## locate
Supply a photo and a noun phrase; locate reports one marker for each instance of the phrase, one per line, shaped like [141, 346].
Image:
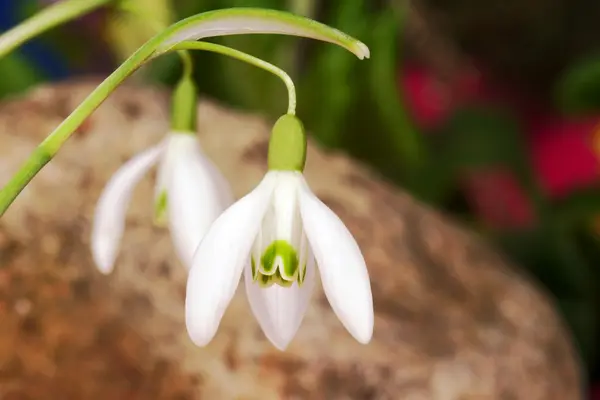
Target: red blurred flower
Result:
[563, 153]
[497, 198]
[563, 159]
[430, 100]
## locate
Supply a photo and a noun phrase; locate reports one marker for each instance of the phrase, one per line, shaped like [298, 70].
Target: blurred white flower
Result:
[190, 195]
[278, 235]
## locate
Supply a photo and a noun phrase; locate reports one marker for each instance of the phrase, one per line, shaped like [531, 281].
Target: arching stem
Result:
[257, 62]
[230, 21]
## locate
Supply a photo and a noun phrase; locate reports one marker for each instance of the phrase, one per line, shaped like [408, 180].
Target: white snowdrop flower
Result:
[190, 195]
[279, 236]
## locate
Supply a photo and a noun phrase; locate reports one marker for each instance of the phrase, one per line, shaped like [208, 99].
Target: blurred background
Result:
[488, 111]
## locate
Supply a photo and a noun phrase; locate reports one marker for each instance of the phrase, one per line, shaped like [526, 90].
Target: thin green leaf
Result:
[405, 139]
[328, 85]
[238, 21]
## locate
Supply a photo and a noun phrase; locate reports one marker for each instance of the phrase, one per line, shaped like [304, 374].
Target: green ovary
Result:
[279, 264]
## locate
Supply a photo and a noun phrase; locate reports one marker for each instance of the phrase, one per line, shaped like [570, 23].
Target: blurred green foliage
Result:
[22, 75]
[578, 90]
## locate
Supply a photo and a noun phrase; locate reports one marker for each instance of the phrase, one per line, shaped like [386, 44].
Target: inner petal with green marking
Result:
[280, 251]
[279, 264]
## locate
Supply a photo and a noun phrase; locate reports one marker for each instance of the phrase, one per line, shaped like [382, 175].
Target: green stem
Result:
[196, 27]
[46, 19]
[50, 146]
[187, 62]
[53, 142]
[185, 96]
[257, 62]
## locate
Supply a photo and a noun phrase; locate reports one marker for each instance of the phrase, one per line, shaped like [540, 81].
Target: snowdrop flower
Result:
[279, 236]
[190, 195]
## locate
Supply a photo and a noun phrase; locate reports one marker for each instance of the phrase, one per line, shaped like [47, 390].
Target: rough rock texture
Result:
[453, 322]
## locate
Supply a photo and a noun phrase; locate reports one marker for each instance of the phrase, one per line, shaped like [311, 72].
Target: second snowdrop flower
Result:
[190, 195]
[278, 236]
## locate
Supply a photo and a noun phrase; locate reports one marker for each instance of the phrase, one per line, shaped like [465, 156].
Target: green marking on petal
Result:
[279, 265]
[267, 261]
[264, 281]
[288, 260]
[160, 209]
[280, 280]
[254, 270]
[302, 275]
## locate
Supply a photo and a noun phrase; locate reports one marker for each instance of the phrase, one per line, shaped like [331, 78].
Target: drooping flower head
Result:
[190, 194]
[279, 236]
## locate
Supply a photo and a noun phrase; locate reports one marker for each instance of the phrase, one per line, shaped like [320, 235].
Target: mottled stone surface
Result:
[453, 321]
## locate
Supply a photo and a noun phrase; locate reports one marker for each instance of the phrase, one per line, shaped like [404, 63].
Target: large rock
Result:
[453, 321]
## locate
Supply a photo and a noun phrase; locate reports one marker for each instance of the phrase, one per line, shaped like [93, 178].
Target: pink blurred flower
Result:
[497, 198]
[563, 159]
[561, 150]
[430, 100]
[563, 153]
[427, 99]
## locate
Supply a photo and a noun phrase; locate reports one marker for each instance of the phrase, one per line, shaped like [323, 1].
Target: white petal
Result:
[235, 21]
[219, 262]
[221, 184]
[287, 223]
[109, 218]
[341, 264]
[195, 195]
[280, 310]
